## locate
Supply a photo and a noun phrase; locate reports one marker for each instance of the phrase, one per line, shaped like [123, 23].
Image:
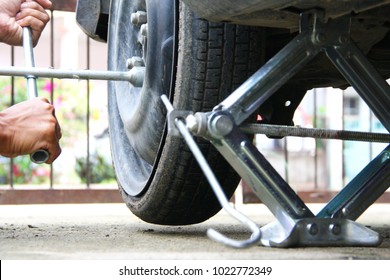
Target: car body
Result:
[280, 18]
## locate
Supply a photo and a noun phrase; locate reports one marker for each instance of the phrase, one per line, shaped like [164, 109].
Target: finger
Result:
[32, 6]
[34, 16]
[46, 4]
[36, 27]
[54, 148]
[26, 14]
[58, 127]
[58, 132]
[44, 99]
[50, 142]
[54, 153]
[24, 17]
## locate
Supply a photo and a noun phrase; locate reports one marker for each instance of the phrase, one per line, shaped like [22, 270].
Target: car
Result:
[198, 52]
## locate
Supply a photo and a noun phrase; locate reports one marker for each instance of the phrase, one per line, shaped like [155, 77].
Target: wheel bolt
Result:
[138, 18]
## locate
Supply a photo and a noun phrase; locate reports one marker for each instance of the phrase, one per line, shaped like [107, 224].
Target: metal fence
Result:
[316, 169]
[62, 45]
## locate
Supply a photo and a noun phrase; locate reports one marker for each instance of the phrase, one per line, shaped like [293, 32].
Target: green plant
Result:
[100, 169]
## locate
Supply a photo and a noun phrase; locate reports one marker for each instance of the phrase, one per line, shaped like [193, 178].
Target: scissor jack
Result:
[296, 225]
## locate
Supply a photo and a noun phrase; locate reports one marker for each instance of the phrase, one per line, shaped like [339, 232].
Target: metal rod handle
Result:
[75, 74]
[32, 90]
[40, 156]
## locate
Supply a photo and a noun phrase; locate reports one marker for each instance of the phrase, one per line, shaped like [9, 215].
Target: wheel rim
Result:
[143, 29]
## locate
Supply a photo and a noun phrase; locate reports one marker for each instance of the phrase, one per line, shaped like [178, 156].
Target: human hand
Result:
[30, 126]
[16, 14]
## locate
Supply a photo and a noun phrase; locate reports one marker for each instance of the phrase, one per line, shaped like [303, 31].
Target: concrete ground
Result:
[110, 231]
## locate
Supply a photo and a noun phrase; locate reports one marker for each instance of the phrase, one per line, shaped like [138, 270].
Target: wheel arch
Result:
[92, 17]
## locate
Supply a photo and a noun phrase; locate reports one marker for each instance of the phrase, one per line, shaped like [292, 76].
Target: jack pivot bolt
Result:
[335, 229]
[222, 125]
[313, 229]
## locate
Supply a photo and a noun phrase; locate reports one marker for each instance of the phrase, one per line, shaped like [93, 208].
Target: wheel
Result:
[196, 64]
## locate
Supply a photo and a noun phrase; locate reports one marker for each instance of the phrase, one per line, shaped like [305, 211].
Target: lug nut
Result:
[135, 61]
[144, 30]
[137, 76]
[139, 18]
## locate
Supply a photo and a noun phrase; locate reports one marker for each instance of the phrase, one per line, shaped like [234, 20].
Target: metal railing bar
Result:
[286, 160]
[12, 103]
[343, 171]
[51, 83]
[315, 124]
[88, 115]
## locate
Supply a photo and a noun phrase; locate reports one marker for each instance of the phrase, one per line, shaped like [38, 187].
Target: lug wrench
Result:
[40, 156]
